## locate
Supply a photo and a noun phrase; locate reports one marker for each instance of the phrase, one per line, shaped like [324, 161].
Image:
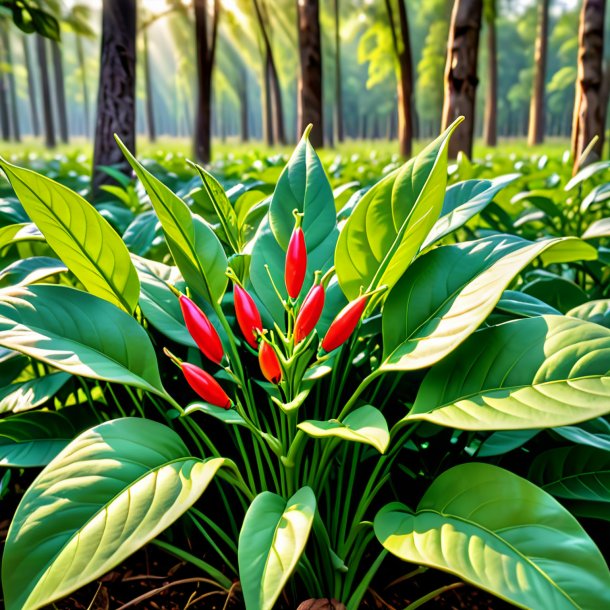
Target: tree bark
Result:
[490, 129]
[45, 90]
[12, 90]
[536, 121]
[267, 107]
[116, 101]
[60, 92]
[339, 129]
[310, 106]
[461, 73]
[205, 43]
[589, 108]
[244, 106]
[150, 114]
[5, 129]
[31, 87]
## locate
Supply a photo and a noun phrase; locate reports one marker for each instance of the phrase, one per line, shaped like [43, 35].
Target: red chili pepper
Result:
[205, 385]
[344, 324]
[248, 317]
[269, 363]
[296, 263]
[310, 312]
[201, 330]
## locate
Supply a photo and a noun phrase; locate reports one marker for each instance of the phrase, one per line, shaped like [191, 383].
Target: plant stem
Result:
[426, 598]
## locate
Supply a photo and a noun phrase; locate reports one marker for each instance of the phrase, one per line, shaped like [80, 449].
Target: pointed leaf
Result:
[80, 236]
[503, 534]
[109, 492]
[26, 395]
[593, 311]
[271, 541]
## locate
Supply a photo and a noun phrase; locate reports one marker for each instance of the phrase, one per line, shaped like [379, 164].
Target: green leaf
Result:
[593, 432]
[559, 292]
[364, 425]
[80, 236]
[26, 395]
[271, 541]
[529, 373]
[503, 534]
[389, 224]
[227, 416]
[586, 173]
[504, 441]
[192, 242]
[462, 202]
[109, 492]
[573, 473]
[78, 333]
[449, 291]
[30, 270]
[33, 439]
[524, 305]
[593, 311]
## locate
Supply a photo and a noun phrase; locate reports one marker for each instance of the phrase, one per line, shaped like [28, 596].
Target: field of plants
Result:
[359, 381]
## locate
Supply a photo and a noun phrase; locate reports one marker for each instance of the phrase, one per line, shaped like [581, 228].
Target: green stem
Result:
[433, 594]
[354, 397]
[356, 598]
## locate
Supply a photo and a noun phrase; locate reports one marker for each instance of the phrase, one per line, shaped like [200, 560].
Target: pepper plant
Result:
[342, 381]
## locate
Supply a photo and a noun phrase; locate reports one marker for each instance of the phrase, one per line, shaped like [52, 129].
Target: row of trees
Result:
[341, 45]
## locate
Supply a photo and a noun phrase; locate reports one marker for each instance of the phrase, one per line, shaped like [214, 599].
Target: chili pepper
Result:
[269, 363]
[310, 312]
[205, 385]
[248, 316]
[344, 324]
[201, 330]
[296, 262]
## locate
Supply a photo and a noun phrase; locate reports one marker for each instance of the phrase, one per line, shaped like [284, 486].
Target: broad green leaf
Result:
[530, 373]
[449, 291]
[83, 239]
[573, 473]
[364, 425]
[109, 492]
[502, 442]
[302, 186]
[192, 242]
[557, 291]
[78, 333]
[586, 173]
[25, 395]
[389, 224]
[30, 270]
[8, 233]
[272, 539]
[462, 202]
[33, 439]
[503, 534]
[593, 311]
[227, 416]
[597, 229]
[142, 233]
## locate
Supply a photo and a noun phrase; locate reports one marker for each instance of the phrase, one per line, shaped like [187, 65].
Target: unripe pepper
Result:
[296, 262]
[248, 316]
[205, 385]
[269, 363]
[201, 329]
[310, 313]
[344, 324]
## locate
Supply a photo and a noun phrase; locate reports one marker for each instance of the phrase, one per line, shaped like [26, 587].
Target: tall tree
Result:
[461, 73]
[310, 106]
[401, 42]
[149, 108]
[60, 92]
[8, 86]
[536, 122]
[116, 100]
[590, 103]
[490, 126]
[45, 92]
[338, 84]
[27, 57]
[205, 44]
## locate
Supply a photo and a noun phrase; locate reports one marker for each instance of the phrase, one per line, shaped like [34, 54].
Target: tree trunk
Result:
[276, 104]
[267, 106]
[339, 130]
[150, 114]
[60, 92]
[5, 129]
[81, 64]
[461, 73]
[536, 121]
[490, 129]
[31, 87]
[310, 107]
[45, 88]
[10, 80]
[116, 101]
[205, 43]
[589, 110]
[244, 106]
[405, 89]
